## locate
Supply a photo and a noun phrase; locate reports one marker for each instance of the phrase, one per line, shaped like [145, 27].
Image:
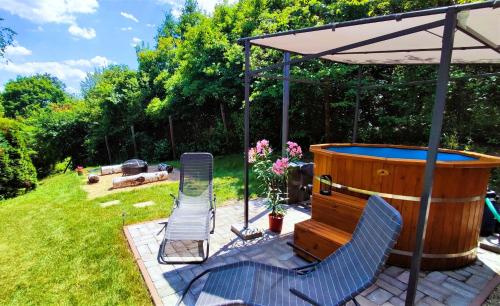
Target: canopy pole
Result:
[247, 128]
[356, 110]
[243, 230]
[434, 139]
[286, 102]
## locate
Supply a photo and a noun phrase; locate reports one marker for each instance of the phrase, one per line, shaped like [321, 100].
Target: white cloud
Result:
[16, 50]
[49, 11]
[54, 11]
[87, 33]
[126, 29]
[135, 41]
[207, 6]
[129, 16]
[176, 12]
[150, 25]
[96, 61]
[71, 72]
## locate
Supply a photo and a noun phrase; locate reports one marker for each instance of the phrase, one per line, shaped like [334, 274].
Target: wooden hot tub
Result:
[396, 173]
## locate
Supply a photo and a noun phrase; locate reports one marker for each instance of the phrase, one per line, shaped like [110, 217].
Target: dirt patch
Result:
[104, 187]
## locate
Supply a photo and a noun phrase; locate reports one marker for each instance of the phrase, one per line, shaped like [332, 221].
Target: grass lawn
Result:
[57, 247]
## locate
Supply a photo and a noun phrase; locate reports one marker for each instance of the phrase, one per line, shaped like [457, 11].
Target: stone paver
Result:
[109, 203]
[477, 281]
[379, 296]
[458, 287]
[436, 277]
[144, 204]
[396, 301]
[393, 271]
[428, 301]
[457, 300]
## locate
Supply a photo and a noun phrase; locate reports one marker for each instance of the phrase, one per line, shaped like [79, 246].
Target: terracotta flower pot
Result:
[275, 223]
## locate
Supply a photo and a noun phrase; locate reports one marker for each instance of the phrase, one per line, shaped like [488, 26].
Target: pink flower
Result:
[263, 147]
[252, 155]
[294, 150]
[280, 166]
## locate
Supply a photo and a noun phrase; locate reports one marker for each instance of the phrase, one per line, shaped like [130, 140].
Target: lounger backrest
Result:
[354, 267]
[196, 176]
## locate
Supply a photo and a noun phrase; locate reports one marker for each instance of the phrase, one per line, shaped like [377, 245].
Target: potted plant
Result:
[79, 170]
[273, 177]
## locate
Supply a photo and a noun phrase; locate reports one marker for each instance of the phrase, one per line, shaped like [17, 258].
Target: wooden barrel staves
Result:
[456, 207]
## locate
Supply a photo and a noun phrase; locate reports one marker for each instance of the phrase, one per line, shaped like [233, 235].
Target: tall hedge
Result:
[17, 172]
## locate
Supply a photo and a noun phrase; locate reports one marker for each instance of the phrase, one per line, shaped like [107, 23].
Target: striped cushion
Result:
[191, 219]
[336, 280]
[249, 282]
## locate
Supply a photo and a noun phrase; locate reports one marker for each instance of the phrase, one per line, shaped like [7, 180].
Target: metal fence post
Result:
[171, 126]
[133, 140]
[434, 139]
[107, 148]
[223, 115]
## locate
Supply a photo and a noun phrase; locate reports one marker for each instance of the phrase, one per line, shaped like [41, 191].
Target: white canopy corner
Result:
[476, 40]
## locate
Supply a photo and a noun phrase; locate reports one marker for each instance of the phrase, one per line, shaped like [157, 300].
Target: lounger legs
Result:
[213, 223]
[163, 258]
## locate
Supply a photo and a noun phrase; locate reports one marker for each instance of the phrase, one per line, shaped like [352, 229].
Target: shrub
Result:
[58, 131]
[16, 169]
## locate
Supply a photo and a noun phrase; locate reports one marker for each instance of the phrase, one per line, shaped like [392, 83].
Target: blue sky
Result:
[69, 38]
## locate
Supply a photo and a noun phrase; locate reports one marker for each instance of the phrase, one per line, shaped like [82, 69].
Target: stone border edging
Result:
[486, 291]
[144, 272]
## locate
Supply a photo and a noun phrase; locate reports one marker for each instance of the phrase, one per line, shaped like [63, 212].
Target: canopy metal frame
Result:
[449, 22]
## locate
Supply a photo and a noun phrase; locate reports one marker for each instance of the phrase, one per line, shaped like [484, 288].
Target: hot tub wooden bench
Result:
[332, 223]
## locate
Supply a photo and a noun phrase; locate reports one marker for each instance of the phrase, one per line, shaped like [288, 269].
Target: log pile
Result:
[105, 170]
[139, 179]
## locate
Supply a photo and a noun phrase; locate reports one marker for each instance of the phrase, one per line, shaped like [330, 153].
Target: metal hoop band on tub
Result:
[435, 256]
[398, 196]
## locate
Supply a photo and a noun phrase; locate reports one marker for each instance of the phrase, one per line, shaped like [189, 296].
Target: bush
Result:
[58, 131]
[16, 169]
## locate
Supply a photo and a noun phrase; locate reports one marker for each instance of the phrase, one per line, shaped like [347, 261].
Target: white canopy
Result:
[477, 38]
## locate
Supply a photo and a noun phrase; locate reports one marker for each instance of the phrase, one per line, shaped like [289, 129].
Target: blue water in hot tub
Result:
[399, 153]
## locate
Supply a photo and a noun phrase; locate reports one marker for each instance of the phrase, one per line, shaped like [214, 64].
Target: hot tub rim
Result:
[483, 160]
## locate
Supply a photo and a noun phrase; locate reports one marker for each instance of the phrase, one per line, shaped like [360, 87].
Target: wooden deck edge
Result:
[144, 272]
[486, 291]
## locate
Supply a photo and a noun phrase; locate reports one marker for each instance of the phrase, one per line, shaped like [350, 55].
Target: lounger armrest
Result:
[306, 268]
[176, 202]
[304, 297]
[296, 247]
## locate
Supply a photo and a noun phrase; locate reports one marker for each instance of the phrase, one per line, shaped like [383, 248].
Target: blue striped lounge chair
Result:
[334, 281]
[193, 214]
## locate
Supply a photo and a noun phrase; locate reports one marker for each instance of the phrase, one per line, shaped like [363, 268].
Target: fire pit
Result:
[134, 166]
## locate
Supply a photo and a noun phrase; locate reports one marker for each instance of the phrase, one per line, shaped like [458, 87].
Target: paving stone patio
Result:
[164, 281]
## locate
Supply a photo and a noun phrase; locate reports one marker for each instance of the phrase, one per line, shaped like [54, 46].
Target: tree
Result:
[16, 169]
[6, 38]
[57, 132]
[114, 105]
[1, 107]
[25, 93]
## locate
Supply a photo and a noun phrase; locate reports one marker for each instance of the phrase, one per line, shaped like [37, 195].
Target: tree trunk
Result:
[139, 179]
[105, 170]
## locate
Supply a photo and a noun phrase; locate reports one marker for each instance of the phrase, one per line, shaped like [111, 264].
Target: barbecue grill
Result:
[134, 166]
